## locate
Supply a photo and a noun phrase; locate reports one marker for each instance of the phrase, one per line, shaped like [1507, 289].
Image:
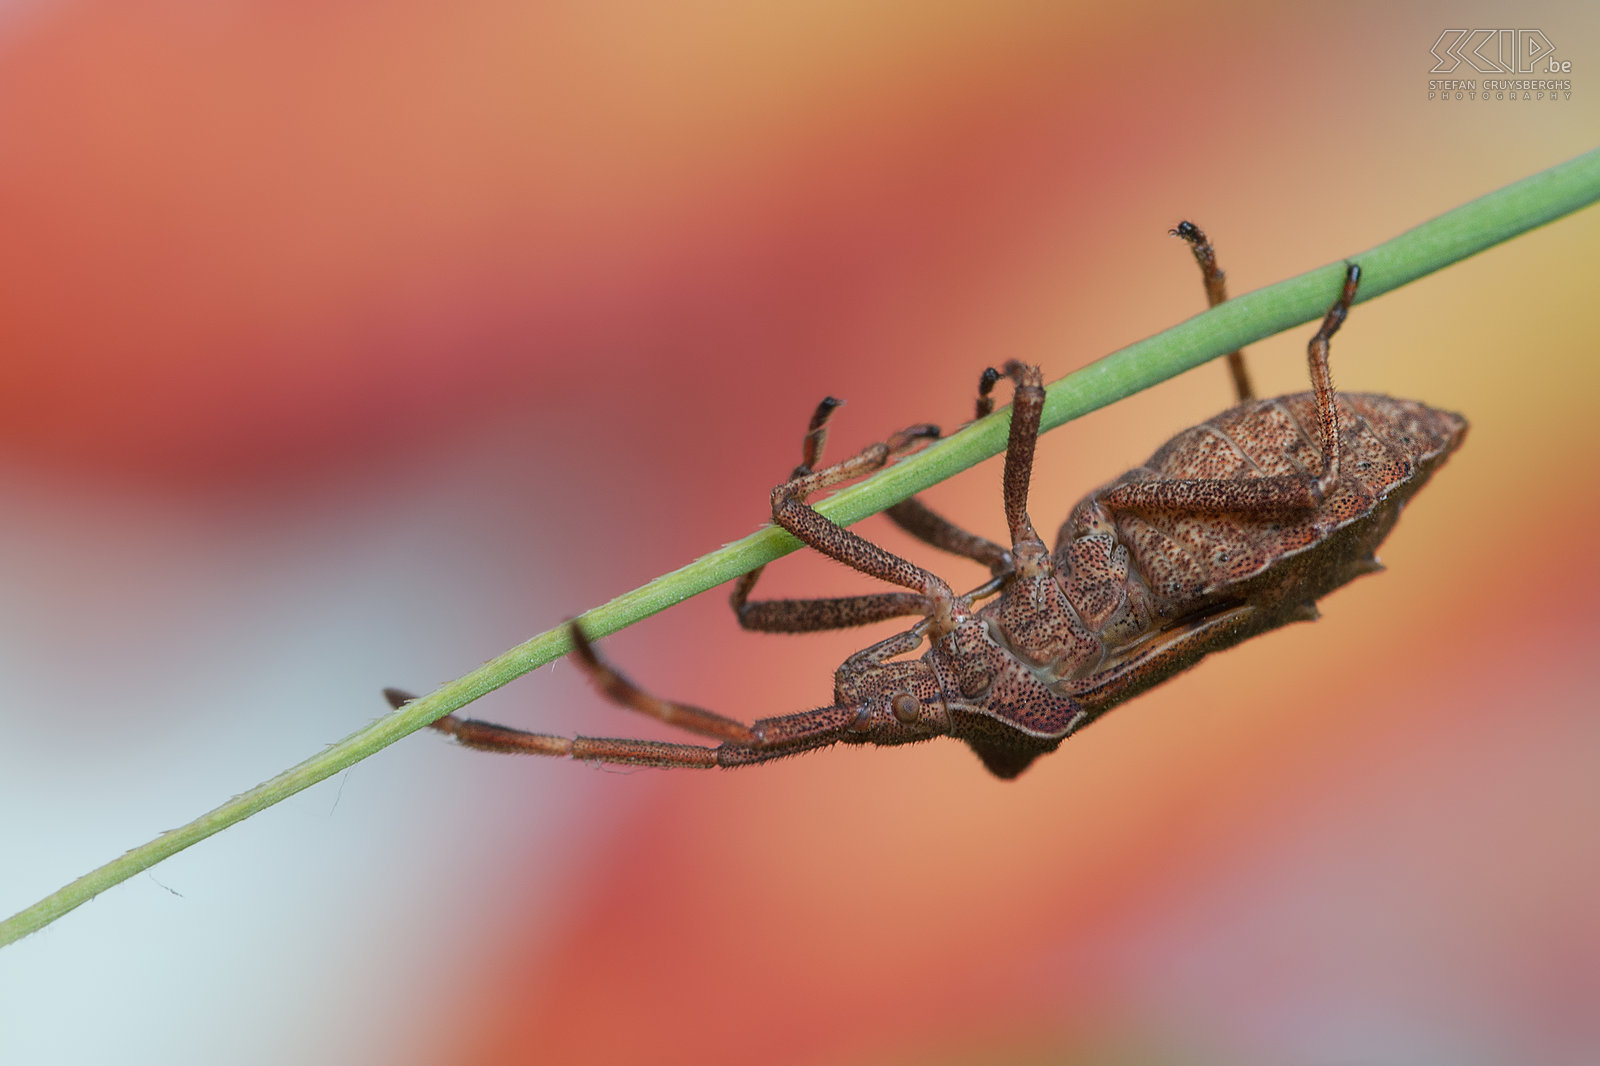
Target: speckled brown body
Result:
[1135, 598]
[1232, 528]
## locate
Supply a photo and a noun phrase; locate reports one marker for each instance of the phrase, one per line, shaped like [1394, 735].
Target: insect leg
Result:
[810, 525]
[869, 661]
[930, 527]
[790, 511]
[769, 738]
[796, 733]
[1322, 377]
[913, 516]
[1216, 292]
[620, 690]
[1028, 553]
[811, 615]
[1240, 496]
[487, 736]
[886, 649]
[1265, 495]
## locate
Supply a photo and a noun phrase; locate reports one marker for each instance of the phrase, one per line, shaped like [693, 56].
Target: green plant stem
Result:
[1431, 246]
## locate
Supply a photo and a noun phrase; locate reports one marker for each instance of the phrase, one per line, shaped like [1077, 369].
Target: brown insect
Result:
[1234, 527]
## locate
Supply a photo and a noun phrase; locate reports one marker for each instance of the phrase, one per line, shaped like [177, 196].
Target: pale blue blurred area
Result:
[159, 654]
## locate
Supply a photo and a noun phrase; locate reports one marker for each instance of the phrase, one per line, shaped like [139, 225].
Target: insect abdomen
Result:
[1184, 562]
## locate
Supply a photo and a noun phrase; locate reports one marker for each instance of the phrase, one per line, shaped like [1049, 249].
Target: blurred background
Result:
[347, 345]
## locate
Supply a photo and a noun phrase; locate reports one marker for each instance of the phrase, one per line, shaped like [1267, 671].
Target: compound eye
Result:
[906, 707]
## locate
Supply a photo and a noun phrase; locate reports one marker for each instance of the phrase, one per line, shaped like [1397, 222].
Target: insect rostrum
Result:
[1232, 528]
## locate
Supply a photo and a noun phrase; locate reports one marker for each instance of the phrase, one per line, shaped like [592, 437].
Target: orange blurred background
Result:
[350, 344]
